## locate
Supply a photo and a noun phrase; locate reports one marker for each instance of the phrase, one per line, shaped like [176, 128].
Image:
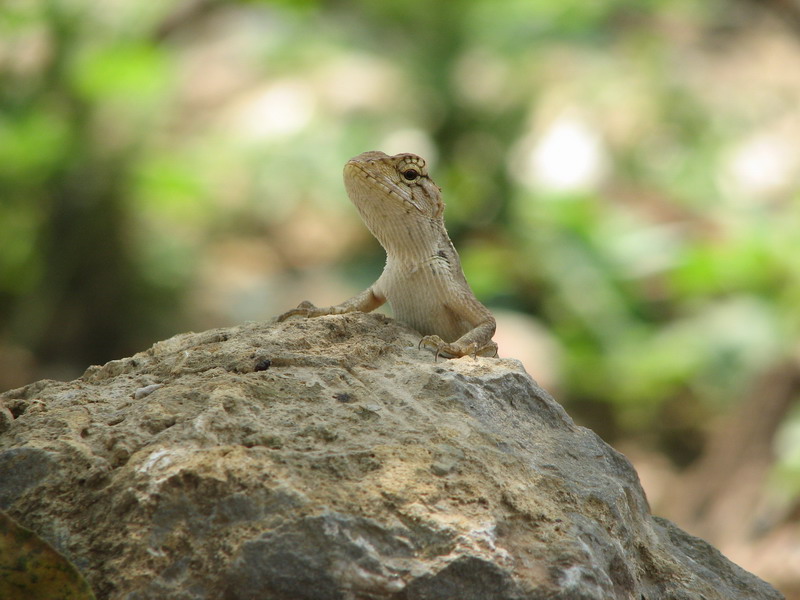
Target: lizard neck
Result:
[400, 204]
[410, 241]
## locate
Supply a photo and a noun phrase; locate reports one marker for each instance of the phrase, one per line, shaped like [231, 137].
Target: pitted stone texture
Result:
[330, 458]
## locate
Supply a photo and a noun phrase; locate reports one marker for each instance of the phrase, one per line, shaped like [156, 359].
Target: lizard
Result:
[423, 280]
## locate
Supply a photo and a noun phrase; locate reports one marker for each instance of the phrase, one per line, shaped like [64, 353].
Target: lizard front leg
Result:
[366, 301]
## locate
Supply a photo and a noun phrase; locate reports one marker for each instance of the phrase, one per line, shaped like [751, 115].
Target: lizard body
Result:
[422, 280]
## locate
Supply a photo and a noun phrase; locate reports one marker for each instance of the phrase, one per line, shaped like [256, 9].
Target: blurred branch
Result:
[185, 15]
[788, 11]
[721, 491]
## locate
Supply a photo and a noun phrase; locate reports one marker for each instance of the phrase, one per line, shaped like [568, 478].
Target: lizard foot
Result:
[304, 309]
[456, 350]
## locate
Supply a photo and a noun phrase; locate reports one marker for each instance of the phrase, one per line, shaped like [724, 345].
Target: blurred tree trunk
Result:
[91, 303]
[89, 285]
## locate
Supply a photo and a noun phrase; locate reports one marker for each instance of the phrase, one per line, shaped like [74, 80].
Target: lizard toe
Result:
[456, 350]
[432, 342]
[442, 348]
[489, 350]
[304, 309]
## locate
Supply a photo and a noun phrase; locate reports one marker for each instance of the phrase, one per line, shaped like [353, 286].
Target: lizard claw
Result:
[442, 348]
[304, 309]
[489, 350]
[455, 350]
[434, 342]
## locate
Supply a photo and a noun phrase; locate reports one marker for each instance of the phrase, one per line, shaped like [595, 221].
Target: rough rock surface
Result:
[331, 459]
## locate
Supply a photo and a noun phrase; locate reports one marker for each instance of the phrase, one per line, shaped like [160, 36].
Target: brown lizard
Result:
[422, 280]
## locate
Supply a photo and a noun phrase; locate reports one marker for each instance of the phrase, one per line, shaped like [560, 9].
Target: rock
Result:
[331, 459]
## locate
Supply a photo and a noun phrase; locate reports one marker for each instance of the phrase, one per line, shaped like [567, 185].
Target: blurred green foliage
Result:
[136, 140]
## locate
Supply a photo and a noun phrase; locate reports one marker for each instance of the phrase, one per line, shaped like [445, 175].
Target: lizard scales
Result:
[422, 280]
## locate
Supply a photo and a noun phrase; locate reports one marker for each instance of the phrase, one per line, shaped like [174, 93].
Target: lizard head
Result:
[379, 183]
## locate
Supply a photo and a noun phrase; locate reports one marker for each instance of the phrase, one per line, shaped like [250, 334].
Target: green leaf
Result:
[32, 568]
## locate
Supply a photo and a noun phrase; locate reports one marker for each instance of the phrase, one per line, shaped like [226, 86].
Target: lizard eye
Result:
[410, 174]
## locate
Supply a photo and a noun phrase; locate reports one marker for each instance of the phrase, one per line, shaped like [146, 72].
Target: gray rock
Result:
[20, 469]
[331, 459]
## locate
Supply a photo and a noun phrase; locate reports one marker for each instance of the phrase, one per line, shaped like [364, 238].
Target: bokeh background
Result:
[621, 180]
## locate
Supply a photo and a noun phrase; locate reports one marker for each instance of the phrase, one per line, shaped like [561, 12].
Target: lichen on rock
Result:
[330, 458]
